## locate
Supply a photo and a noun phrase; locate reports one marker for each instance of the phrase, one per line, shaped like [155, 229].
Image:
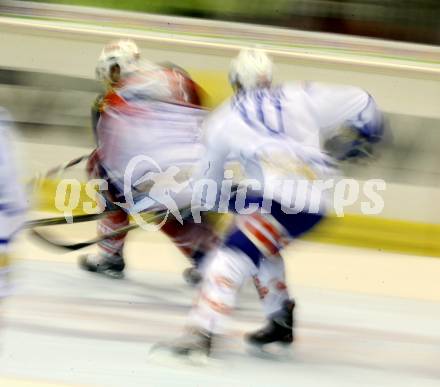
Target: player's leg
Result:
[271, 232]
[194, 240]
[109, 260]
[4, 270]
[4, 273]
[226, 271]
[9, 225]
[278, 307]
[254, 237]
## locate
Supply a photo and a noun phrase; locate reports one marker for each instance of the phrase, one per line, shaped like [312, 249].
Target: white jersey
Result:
[169, 134]
[12, 199]
[276, 134]
[144, 135]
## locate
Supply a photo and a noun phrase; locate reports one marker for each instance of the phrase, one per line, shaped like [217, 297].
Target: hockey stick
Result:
[58, 169]
[81, 245]
[59, 220]
[89, 217]
[100, 238]
[66, 165]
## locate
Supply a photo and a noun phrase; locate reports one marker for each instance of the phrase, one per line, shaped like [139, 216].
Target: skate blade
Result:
[113, 274]
[165, 354]
[275, 351]
[106, 274]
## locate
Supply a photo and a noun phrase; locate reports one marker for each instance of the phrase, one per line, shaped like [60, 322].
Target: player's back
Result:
[278, 111]
[302, 111]
[275, 134]
[253, 129]
[150, 117]
[167, 133]
[279, 118]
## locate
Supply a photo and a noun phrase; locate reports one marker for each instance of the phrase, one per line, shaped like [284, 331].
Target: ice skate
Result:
[194, 348]
[192, 276]
[109, 265]
[279, 328]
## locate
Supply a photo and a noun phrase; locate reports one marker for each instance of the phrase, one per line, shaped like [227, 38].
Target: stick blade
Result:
[60, 245]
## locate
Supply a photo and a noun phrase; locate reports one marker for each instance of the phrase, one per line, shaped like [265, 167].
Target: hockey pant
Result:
[194, 240]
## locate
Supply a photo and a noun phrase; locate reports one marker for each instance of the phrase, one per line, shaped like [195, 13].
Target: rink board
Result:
[351, 230]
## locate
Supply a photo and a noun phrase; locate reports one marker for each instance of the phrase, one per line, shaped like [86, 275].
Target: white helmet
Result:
[251, 68]
[124, 53]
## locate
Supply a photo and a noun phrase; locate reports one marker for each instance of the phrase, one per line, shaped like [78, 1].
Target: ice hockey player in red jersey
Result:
[160, 90]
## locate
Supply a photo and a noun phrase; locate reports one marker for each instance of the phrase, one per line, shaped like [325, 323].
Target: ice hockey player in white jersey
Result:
[12, 199]
[275, 133]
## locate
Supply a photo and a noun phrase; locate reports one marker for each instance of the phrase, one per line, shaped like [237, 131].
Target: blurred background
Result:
[409, 20]
[49, 53]
[378, 273]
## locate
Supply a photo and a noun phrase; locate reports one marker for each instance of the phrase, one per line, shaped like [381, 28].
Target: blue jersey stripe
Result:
[10, 210]
[258, 99]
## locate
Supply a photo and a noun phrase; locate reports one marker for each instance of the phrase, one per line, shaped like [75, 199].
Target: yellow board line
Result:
[351, 230]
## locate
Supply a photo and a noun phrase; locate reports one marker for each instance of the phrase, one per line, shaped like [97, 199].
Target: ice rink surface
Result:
[68, 327]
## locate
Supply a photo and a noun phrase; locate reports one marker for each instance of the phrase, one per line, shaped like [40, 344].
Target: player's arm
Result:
[210, 169]
[349, 119]
[96, 113]
[214, 159]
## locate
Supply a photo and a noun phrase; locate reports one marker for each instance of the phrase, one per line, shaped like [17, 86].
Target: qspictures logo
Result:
[146, 188]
